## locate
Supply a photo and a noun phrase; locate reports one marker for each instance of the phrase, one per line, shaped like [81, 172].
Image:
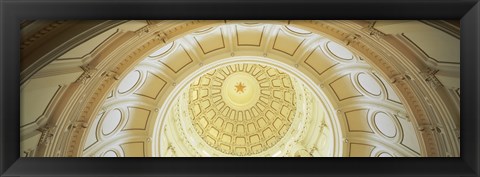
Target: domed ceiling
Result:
[203, 88]
[244, 106]
[242, 109]
[252, 89]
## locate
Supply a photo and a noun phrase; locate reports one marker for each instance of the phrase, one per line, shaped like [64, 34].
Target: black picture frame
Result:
[14, 11]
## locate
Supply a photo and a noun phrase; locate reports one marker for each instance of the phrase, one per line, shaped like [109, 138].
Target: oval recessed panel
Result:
[298, 30]
[385, 124]
[339, 51]
[110, 154]
[129, 82]
[369, 84]
[112, 119]
[162, 50]
[384, 154]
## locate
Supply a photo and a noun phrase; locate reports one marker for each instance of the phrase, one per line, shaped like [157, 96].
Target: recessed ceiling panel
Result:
[211, 41]
[137, 118]
[133, 149]
[319, 62]
[344, 88]
[110, 154]
[361, 150]
[249, 35]
[129, 81]
[369, 84]
[111, 121]
[385, 124]
[339, 51]
[357, 121]
[287, 44]
[152, 86]
[177, 60]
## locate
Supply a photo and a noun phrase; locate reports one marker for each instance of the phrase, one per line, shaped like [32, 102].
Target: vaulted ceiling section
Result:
[240, 88]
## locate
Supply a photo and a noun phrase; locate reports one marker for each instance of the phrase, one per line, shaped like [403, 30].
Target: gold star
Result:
[240, 87]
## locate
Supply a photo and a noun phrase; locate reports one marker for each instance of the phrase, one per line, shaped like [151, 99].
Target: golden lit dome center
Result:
[240, 90]
[242, 109]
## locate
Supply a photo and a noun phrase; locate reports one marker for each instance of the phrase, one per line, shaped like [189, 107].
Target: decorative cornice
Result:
[430, 78]
[351, 38]
[47, 134]
[32, 64]
[111, 75]
[73, 148]
[88, 72]
[40, 33]
[372, 31]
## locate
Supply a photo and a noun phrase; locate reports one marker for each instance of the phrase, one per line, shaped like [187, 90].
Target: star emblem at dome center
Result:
[240, 87]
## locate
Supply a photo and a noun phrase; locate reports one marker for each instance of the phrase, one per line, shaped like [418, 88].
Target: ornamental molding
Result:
[359, 39]
[26, 42]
